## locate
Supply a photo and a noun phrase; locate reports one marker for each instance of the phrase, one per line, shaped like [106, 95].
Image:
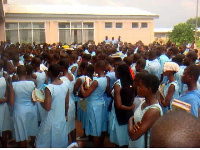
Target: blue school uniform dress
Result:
[138, 115]
[178, 78]
[193, 98]
[153, 67]
[70, 67]
[111, 76]
[53, 129]
[24, 113]
[81, 114]
[162, 59]
[5, 119]
[118, 133]
[41, 77]
[175, 95]
[95, 104]
[71, 110]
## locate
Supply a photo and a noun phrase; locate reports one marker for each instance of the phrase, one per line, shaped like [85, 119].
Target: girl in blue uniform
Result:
[171, 88]
[5, 119]
[122, 106]
[70, 79]
[24, 113]
[95, 104]
[53, 128]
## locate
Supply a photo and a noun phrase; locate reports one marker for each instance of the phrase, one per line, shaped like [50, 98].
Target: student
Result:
[192, 96]
[81, 114]
[171, 88]
[95, 104]
[122, 106]
[73, 68]
[146, 114]
[5, 119]
[179, 60]
[40, 77]
[70, 79]
[140, 65]
[24, 114]
[53, 128]
[177, 129]
[153, 65]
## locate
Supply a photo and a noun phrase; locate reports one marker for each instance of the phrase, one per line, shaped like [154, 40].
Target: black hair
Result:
[29, 69]
[36, 61]
[83, 65]
[152, 54]
[110, 60]
[151, 81]
[56, 56]
[101, 65]
[194, 71]
[1, 64]
[141, 62]
[21, 70]
[54, 69]
[136, 56]
[177, 129]
[128, 60]
[90, 70]
[178, 59]
[87, 57]
[64, 63]
[192, 55]
[16, 58]
[124, 74]
[174, 50]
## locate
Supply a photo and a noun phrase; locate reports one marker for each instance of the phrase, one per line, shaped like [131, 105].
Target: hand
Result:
[132, 106]
[137, 126]
[66, 118]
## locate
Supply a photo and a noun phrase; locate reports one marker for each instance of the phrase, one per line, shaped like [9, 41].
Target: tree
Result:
[193, 21]
[182, 32]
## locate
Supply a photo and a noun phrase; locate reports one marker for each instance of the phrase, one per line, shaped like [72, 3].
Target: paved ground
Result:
[79, 132]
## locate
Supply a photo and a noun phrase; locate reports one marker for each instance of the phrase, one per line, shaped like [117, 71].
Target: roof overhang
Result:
[70, 11]
[75, 16]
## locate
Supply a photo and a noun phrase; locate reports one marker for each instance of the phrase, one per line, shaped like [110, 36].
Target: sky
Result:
[171, 12]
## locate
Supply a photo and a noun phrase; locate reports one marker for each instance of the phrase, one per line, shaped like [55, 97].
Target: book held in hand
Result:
[38, 95]
[179, 105]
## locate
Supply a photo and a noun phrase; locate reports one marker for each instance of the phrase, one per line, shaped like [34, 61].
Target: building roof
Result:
[72, 9]
[163, 30]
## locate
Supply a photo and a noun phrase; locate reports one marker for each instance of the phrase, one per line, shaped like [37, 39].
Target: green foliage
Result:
[193, 21]
[182, 32]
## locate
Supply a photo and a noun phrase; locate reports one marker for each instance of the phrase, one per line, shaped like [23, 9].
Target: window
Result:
[25, 32]
[118, 25]
[134, 25]
[79, 32]
[108, 24]
[144, 25]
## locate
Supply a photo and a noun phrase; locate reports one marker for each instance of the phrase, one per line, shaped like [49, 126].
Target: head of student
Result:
[177, 129]
[191, 74]
[122, 72]
[149, 84]
[21, 70]
[54, 70]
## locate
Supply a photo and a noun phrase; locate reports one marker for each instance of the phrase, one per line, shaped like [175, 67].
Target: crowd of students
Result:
[115, 88]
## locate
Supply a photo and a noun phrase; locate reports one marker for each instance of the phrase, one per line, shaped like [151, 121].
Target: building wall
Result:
[127, 33]
[2, 31]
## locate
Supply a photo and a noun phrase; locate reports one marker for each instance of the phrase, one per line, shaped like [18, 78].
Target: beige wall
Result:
[127, 33]
[51, 32]
[2, 31]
